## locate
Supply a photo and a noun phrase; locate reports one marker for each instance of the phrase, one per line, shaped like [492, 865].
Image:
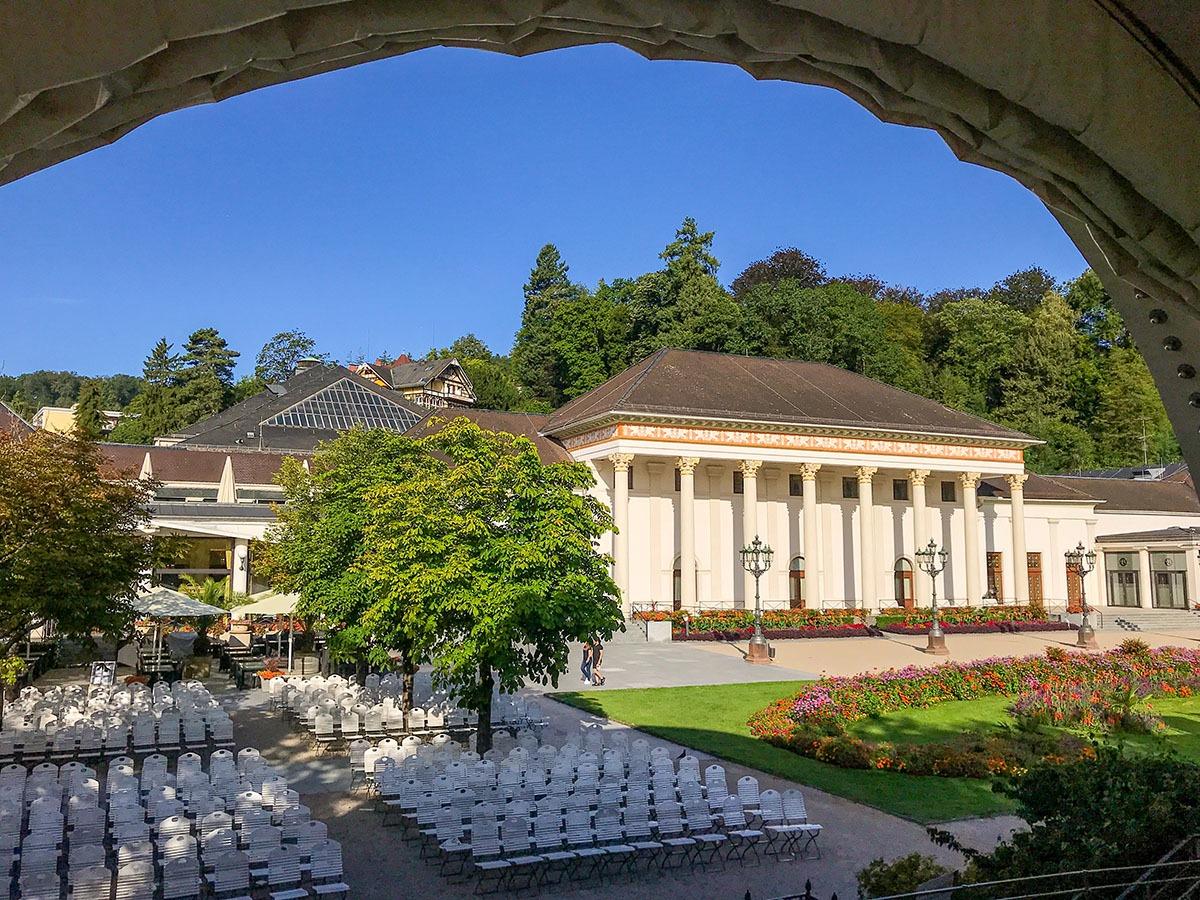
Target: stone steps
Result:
[1155, 620]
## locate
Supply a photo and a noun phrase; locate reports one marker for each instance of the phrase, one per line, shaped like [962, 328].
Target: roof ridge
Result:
[651, 361]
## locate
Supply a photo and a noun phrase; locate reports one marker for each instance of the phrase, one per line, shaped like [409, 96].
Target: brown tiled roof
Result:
[523, 424]
[692, 383]
[180, 464]
[11, 422]
[1126, 494]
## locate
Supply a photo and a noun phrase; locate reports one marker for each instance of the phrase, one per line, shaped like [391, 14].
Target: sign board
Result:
[104, 672]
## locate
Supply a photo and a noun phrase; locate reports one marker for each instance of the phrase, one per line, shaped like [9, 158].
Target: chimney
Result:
[308, 362]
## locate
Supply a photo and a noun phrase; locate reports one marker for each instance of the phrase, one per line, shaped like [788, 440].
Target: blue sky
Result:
[397, 205]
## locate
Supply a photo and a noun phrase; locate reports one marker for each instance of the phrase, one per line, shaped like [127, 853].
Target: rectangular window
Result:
[739, 484]
[678, 481]
[795, 486]
[629, 478]
[899, 488]
[850, 488]
[995, 575]
[949, 494]
[1033, 564]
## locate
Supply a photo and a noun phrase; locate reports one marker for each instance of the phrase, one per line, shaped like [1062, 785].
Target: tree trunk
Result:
[483, 738]
[408, 670]
[360, 669]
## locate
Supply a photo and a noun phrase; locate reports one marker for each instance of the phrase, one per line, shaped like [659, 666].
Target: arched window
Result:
[677, 585]
[796, 583]
[903, 580]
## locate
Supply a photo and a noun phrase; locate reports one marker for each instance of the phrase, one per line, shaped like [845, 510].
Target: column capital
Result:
[620, 461]
[918, 476]
[1016, 482]
[970, 480]
[808, 471]
[866, 473]
[687, 464]
[749, 467]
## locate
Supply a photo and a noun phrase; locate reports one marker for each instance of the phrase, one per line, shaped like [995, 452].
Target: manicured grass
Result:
[938, 723]
[712, 719]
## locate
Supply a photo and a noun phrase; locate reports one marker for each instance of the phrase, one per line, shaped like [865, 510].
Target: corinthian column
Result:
[1016, 487]
[970, 482]
[687, 529]
[812, 552]
[749, 470]
[866, 536]
[620, 509]
[916, 479]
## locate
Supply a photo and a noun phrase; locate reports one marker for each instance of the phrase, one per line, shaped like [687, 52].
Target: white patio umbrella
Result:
[270, 603]
[165, 603]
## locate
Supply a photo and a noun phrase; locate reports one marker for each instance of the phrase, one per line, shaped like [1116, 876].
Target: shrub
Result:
[1091, 813]
[881, 879]
[1134, 647]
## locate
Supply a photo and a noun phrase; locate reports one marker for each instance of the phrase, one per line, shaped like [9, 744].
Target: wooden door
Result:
[995, 576]
[1074, 589]
[1034, 566]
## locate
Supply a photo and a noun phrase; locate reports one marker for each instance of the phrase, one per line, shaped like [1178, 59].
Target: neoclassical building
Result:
[697, 453]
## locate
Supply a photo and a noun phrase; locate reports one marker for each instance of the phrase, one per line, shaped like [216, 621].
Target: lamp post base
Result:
[1086, 639]
[759, 652]
[937, 645]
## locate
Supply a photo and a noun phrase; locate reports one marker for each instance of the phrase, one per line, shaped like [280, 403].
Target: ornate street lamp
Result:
[932, 561]
[756, 559]
[1083, 561]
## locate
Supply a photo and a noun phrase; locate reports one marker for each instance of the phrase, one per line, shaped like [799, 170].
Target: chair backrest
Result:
[40, 886]
[231, 872]
[748, 790]
[793, 807]
[283, 866]
[326, 861]
[135, 881]
[91, 882]
[732, 812]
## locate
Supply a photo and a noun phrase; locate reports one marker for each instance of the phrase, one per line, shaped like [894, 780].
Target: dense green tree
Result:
[89, 412]
[162, 367]
[905, 332]
[972, 343]
[532, 356]
[788, 263]
[207, 353]
[1041, 381]
[276, 361]
[1124, 809]
[1131, 424]
[1098, 319]
[1024, 289]
[589, 341]
[73, 539]
[156, 410]
[319, 547]
[1067, 447]
[488, 557]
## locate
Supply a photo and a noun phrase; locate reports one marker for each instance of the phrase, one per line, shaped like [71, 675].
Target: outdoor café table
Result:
[248, 666]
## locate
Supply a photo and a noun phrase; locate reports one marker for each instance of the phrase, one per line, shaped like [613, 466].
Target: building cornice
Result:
[619, 417]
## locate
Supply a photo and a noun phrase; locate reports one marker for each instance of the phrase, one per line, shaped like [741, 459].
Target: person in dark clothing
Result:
[585, 667]
[597, 662]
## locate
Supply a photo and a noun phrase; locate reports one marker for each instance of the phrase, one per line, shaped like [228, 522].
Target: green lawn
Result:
[713, 718]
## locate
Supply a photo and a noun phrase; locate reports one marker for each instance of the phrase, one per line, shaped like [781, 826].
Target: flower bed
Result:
[741, 634]
[909, 627]
[960, 615]
[1060, 688]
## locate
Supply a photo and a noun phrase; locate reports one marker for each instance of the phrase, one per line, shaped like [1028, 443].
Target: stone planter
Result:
[306, 664]
[658, 632]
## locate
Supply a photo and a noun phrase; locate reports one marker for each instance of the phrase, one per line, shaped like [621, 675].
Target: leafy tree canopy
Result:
[276, 361]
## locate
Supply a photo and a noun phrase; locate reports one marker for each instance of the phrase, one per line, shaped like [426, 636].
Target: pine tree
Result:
[89, 412]
[161, 367]
[206, 352]
[533, 357]
[1039, 384]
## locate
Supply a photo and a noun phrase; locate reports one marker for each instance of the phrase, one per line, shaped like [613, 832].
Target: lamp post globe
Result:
[932, 562]
[1083, 561]
[756, 559]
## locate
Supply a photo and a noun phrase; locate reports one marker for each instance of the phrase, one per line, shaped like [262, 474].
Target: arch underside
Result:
[1073, 98]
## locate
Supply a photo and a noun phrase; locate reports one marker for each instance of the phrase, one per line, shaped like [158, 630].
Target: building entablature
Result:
[732, 441]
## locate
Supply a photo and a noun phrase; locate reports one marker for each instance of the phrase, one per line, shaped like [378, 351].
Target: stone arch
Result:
[1106, 135]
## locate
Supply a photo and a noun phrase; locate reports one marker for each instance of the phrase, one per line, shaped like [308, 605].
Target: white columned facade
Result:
[1145, 583]
[687, 529]
[620, 510]
[749, 469]
[916, 479]
[1016, 487]
[241, 566]
[866, 536]
[812, 549]
[970, 483]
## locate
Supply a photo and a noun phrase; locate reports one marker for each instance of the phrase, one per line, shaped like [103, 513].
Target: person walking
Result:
[597, 662]
[585, 666]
